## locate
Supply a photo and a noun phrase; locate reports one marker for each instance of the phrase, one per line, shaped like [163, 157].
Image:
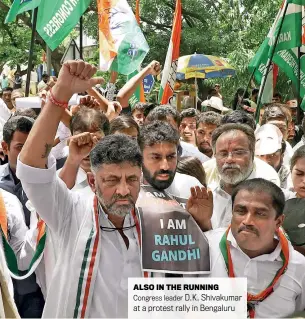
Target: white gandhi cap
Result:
[268, 139]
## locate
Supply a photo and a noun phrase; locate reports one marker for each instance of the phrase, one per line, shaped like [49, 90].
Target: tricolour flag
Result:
[56, 19]
[138, 95]
[171, 62]
[20, 6]
[123, 46]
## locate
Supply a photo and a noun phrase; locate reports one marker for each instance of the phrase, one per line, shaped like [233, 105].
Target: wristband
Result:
[61, 104]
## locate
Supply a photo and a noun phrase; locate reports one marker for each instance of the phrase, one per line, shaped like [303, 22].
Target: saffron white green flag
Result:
[171, 62]
[123, 46]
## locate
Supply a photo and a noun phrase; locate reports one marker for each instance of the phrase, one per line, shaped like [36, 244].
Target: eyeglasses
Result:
[234, 154]
[191, 126]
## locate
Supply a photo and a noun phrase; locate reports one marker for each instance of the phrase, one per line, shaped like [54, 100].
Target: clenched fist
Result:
[81, 145]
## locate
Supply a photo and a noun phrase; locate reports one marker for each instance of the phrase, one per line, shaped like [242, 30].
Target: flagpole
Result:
[251, 77]
[269, 63]
[299, 112]
[30, 61]
[81, 37]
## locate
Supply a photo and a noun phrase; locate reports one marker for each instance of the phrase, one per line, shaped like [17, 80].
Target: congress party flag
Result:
[123, 46]
[289, 24]
[171, 63]
[57, 18]
[20, 6]
[299, 2]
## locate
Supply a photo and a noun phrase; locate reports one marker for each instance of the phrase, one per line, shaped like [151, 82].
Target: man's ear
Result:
[4, 147]
[91, 181]
[280, 221]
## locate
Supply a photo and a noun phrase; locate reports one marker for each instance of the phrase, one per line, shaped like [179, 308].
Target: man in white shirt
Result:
[158, 142]
[233, 146]
[170, 115]
[255, 247]
[275, 114]
[97, 239]
[270, 147]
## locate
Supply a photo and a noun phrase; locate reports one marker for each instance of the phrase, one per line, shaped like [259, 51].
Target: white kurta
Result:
[65, 213]
[289, 294]
[117, 264]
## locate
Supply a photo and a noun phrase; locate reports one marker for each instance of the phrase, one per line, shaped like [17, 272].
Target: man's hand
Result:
[88, 101]
[200, 206]
[74, 77]
[114, 109]
[80, 146]
[154, 68]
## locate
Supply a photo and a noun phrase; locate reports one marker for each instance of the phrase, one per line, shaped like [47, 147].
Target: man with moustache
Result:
[206, 125]
[170, 115]
[98, 248]
[159, 143]
[234, 148]
[255, 247]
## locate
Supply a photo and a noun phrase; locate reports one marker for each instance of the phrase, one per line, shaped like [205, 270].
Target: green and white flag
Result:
[20, 6]
[287, 60]
[299, 2]
[290, 37]
[123, 46]
[291, 31]
[57, 18]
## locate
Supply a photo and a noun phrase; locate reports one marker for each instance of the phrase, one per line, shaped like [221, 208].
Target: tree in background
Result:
[233, 29]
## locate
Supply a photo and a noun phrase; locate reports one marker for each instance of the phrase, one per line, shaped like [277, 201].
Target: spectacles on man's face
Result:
[191, 126]
[234, 154]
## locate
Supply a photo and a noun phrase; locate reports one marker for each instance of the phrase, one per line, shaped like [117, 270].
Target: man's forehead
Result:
[232, 137]
[125, 168]
[254, 198]
[161, 148]
[189, 119]
[209, 126]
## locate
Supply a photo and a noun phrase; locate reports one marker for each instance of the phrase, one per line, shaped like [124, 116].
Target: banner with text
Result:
[57, 18]
[172, 242]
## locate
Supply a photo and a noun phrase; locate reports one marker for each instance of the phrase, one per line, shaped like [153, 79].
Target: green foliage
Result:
[232, 29]
[15, 42]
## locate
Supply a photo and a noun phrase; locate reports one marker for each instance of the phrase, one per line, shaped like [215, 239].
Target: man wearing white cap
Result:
[270, 147]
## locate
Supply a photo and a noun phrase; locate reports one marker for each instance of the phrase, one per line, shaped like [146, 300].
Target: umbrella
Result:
[203, 67]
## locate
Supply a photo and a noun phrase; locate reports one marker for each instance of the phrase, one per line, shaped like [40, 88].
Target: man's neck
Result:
[13, 171]
[228, 188]
[265, 251]
[208, 153]
[117, 221]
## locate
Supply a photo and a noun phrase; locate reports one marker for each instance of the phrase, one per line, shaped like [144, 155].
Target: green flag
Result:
[299, 2]
[259, 61]
[20, 6]
[291, 31]
[57, 18]
[287, 60]
[135, 98]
